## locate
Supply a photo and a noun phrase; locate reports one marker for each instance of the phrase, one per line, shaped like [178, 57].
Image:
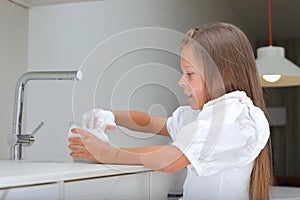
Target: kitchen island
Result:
[66, 180]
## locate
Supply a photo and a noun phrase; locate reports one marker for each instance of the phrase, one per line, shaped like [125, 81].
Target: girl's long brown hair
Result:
[227, 48]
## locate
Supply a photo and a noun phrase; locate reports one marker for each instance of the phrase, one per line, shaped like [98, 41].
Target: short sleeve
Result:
[180, 117]
[212, 147]
[172, 123]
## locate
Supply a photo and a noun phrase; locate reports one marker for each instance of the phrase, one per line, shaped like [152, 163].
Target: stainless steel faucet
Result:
[16, 140]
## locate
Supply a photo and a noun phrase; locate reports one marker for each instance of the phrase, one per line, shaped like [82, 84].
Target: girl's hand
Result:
[99, 119]
[89, 147]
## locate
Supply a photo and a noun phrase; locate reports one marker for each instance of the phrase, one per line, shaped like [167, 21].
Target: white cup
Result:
[98, 133]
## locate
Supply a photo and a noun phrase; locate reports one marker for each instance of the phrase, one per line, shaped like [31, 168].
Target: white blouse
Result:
[221, 142]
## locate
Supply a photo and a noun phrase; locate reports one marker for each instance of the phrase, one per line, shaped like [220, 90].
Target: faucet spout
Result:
[16, 149]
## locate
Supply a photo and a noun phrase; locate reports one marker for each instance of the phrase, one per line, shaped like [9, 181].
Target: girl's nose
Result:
[182, 82]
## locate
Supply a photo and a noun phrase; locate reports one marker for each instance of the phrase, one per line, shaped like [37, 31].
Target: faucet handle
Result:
[24, 139]
[37, 128]
[27, 140]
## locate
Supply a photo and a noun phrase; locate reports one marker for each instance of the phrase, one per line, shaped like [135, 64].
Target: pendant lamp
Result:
[273, 68]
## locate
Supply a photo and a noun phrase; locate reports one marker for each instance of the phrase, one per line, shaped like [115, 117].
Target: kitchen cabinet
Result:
[35, 180]
[132, 186]
[163, 183]
[45, 192]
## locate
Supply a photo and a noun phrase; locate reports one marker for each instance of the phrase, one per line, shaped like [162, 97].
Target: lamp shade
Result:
[271, 61]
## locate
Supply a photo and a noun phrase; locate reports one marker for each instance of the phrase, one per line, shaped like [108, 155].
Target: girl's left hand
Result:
[89, 147]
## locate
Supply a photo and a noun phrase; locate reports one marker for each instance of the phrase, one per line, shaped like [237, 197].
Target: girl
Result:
[222, 137]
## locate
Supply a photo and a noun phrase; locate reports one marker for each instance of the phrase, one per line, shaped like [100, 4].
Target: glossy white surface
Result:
[285, 193]
[21, 173]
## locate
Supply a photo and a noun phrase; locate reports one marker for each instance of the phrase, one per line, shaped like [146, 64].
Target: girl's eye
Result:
[189, 74]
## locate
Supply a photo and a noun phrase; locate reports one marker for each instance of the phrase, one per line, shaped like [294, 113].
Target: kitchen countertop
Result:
[22, 173]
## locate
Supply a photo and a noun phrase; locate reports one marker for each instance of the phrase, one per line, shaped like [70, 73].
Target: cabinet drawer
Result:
[47, 192]
[132, 186]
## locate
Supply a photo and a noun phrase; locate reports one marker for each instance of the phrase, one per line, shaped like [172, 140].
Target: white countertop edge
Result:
[70, 172]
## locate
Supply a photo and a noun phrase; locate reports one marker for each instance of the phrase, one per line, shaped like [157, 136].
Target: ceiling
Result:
[32, 3]
[253, 13]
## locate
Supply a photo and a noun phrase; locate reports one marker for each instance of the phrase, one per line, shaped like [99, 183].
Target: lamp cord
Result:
[270, 23]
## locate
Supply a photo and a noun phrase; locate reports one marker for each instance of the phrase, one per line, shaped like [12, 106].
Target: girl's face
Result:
[191, 80]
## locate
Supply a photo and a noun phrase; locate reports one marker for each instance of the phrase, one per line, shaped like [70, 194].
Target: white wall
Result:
[62, 36]
[13, 62]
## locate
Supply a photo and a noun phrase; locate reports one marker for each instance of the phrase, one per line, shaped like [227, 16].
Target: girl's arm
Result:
[142, 122]
[162, 158]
